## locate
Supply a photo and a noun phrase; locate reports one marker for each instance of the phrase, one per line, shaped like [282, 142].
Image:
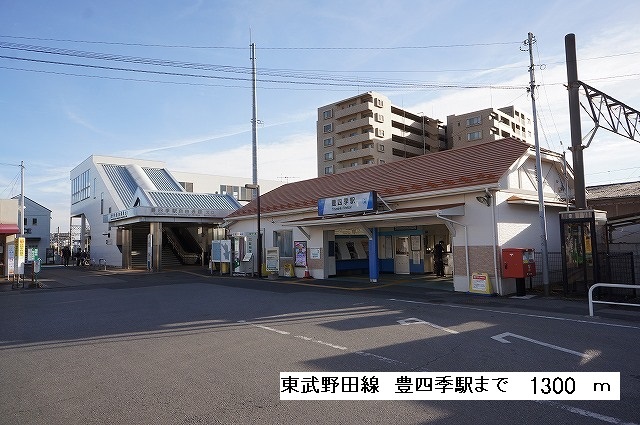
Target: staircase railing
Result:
[185, 257]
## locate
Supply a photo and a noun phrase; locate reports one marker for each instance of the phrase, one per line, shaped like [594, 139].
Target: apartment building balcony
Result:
[351, 155]
[358, 138]
[355, 109]
[350, 125]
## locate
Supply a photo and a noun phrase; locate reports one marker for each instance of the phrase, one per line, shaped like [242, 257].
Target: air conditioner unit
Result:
[378, 102]
[379, 117]
[379, 132]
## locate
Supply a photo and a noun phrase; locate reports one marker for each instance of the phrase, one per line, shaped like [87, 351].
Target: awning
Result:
[533, 200]
[399, 214]
[9, 229]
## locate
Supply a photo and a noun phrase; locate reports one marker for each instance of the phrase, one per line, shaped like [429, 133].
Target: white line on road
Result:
[586, 413]
[414, 320]
[539, 316]
[502, 336]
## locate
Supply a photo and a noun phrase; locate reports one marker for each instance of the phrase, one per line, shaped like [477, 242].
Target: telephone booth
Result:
[583, 236]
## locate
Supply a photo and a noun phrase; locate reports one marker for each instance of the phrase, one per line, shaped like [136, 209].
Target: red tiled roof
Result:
[474, 165]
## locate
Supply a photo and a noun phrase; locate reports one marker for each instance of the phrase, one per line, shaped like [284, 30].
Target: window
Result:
[327, 128]
[367, 145]
[379, 132]
[380, 147]
[378, 102]
[188, 186]
[80, 187]
[473, 121]
[34, 221]
[327, 114]
[283, 239]
[328, 156]
[328, 142]
[368, 161]
[474, 135]
[328, 169]
[354, 164]
[379, 117]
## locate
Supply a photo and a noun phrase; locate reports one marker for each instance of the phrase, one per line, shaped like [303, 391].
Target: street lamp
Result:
[256, 187]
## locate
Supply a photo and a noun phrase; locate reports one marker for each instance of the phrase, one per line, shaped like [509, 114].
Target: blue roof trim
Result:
[122, 181]
[193, 200]
[161, 179]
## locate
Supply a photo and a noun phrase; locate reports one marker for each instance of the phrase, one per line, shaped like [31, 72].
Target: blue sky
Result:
[55, 115]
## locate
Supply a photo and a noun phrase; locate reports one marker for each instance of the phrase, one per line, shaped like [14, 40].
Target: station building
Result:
[387, 218]
[119, 202]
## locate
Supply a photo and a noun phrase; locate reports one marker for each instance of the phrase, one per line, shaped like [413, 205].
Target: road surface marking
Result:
[502, 336]
[414, 320]
[538, 316]
[586, 413]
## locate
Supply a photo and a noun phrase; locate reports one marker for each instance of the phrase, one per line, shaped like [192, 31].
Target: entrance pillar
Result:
[126, 247]
[374, 269]
[156, 259]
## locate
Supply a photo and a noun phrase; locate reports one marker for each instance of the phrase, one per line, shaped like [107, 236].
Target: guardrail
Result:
[609, 285]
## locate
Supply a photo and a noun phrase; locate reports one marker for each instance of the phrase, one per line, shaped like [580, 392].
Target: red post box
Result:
[518, 263]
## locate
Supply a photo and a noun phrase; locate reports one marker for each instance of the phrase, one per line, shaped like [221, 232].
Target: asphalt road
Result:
[182, 348]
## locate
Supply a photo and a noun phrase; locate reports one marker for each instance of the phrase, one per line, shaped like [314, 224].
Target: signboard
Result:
[357, 202]
[225, 251]
[315, 253]
[480, 283]
[149, 251]
[273, 259]
[11, 258]
[300, 249]
[20, 255]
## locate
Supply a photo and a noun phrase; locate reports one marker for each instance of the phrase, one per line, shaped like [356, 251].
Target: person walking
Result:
[66, 254]
[438, 256]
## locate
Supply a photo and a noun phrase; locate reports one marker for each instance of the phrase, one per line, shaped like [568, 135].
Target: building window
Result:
[474, 135]
[80, 187]
[283, 239]
[473, 121]
[328, 128]
[380, 147]
[328, 142]
[188, 186]
[354, 164]
[379, 132]
[368, 161]
[378, 102]
[328, 169]
[34, 221]
[327, 114]
[328, 156]
[379, 117]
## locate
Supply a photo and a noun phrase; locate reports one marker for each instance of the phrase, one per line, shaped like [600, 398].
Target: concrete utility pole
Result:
[543, 220]
[21, 198]
[254, 120]
[574, 118]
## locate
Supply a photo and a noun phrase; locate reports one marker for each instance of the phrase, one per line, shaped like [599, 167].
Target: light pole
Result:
[256, 187]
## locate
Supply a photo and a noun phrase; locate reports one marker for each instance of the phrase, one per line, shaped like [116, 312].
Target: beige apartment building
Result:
[367, 130]
[488, 125]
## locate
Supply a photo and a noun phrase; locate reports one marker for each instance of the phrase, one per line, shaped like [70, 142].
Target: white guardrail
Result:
[609, 285]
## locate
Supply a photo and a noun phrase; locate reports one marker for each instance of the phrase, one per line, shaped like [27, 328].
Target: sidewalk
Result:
[419, 288]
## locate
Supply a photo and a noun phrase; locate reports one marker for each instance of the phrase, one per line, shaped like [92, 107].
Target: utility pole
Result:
[574, 118]
[543, 220]
[21, 198]
[254, 120]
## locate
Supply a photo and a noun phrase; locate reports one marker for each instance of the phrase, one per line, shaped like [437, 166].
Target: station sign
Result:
[357, 202]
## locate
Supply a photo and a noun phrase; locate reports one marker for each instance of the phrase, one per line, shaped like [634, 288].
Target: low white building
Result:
[478, 199]
[120, 201]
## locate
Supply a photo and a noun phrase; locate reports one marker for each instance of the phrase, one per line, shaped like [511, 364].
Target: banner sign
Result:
[357, 202]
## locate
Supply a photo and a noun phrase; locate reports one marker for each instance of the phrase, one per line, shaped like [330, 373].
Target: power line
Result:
[435, 46]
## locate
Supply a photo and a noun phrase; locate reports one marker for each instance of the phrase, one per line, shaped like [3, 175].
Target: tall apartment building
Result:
[367, 129]
[488, 125]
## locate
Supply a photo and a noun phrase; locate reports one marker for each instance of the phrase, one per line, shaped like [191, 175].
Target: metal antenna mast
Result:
[543, 221]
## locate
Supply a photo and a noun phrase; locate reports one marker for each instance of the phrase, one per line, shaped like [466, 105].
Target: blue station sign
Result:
[357, 202]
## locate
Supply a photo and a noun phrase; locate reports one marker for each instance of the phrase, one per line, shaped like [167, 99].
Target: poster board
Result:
[300, 252]
[480, 284]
